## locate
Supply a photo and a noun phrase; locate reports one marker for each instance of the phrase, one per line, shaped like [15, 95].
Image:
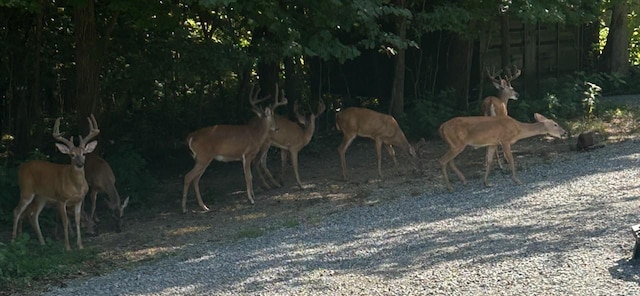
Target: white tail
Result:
[101, 179]
[291, 138]
[230, 143]
[63, 184]
[382, 128]
[485, 131]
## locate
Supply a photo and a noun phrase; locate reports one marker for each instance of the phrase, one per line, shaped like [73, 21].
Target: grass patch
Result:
[290, 223]
[250, 232]
[25, 261]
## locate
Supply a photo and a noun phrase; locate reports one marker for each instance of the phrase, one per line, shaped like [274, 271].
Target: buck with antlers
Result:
[382, 128]
[490, 131]
[230, 143]
[43, 181]
[101, 179]
[497, 106]
[290, 137]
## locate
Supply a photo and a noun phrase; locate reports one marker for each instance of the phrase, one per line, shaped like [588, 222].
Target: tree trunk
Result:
[87, 62]
[268, 73]
[459, 69]
[505, 49]
[615, 56]
[397, 89]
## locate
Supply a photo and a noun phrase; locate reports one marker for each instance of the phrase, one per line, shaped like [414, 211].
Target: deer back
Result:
[229, 142]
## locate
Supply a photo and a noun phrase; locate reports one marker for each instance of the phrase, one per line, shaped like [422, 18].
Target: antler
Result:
[253, 96]
[93, 131]
[509, 77]
[58, 136]
[321, 107]
[493, 75]
[279, 102]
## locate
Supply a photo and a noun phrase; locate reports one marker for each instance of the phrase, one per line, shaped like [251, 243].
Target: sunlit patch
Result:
[149, 253]
[251, 216]
[188, 230]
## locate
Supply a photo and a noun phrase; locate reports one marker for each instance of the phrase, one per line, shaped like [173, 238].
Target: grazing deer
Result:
[290, 137]
[101, 179]
[230, 143]
[497, 106]
[490, 131]
[382, 128]
[64, 184]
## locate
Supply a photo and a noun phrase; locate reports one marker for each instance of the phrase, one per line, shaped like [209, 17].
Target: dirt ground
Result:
[162, 230]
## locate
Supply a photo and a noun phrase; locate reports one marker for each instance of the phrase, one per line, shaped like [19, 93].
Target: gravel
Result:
[565, 231]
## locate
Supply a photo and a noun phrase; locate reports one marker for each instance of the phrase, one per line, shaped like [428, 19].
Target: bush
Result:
[132, 176]
[427, 114]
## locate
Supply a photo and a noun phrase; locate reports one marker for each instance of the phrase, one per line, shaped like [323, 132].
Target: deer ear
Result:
[496, 85]
[89, 147]
[539, 117]
[62, 148]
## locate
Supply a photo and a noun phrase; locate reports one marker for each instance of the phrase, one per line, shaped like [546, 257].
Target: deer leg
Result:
[342, 150]
[491, 151]
[34, 219]
[25, 200]
[294, 162]
[283, 164]
[77, 210]
[498, 158]
[62, 210]
[94, 197]
[392, 153]
[258, 163]
[447, 159]
[379, 155]
[507, 154]
[194, 176]
[248, 178]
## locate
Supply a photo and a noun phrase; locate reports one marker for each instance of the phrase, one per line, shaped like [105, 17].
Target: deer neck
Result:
[528, 130]
[504, 97]
[262, 128]
[77, 179]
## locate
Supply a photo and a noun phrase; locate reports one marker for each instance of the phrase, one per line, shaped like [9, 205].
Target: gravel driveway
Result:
[566, 231]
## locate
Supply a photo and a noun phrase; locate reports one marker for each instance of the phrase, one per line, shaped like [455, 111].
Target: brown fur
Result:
[382, 128]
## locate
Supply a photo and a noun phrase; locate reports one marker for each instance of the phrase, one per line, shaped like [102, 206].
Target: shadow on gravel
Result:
[474, 226]
[626, 270]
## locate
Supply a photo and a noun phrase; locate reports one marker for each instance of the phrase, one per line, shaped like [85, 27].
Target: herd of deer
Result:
[44, 182]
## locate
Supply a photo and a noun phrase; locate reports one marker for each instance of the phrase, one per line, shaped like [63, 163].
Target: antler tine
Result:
[93, 130]
[493, 75]
[58, 136]
[510, 77]
[253, 97]
[279, 102]
[321, 107]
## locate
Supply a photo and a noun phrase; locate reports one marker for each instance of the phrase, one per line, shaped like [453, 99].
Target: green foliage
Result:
[578, 94]
[25, 259]
[133, 179]
[425, 117]
[9, 193]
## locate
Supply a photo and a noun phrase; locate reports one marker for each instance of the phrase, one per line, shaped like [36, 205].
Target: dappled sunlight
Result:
[188, 230]
[250, 216]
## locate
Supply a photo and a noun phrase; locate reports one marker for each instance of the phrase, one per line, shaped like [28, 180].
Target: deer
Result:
[230, 143]
[490, 131]
[101, 179]
[382, 128]
[497, 106]
[62, 184]
[290, 137]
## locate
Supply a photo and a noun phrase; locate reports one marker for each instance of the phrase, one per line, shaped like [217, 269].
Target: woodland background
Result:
[152, 71]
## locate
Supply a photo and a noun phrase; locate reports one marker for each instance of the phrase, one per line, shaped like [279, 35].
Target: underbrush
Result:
[25, 262]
